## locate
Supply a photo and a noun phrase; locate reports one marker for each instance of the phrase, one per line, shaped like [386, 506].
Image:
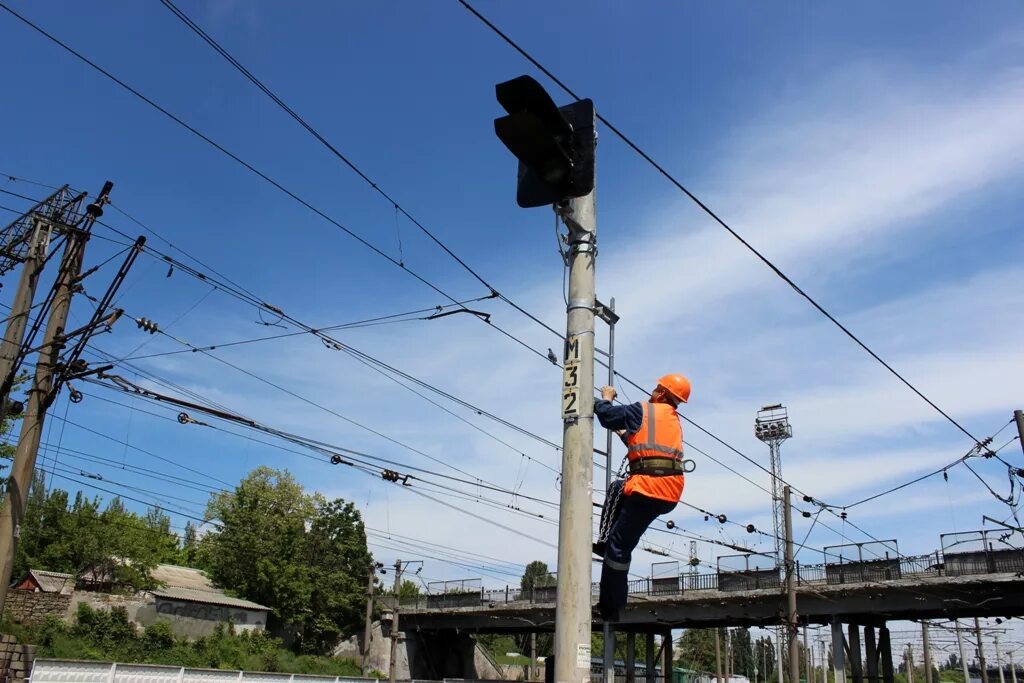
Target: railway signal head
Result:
[554, 145]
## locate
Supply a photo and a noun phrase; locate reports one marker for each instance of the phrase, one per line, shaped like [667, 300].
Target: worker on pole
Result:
[653, 486]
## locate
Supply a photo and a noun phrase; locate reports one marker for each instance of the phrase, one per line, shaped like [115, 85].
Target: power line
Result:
[714, 216]
[181, 122]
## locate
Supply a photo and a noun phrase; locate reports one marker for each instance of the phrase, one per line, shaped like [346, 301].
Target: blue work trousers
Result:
[635, 514]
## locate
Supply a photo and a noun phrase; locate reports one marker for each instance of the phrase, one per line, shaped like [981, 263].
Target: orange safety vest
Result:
[660, 436]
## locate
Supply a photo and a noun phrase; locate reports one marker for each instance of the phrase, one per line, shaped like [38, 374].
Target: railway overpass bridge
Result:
[860, 585]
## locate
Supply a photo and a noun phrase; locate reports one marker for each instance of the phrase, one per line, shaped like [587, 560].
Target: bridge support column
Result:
[651, 677]
[666, 650]
[885, 654]
[856, 665]
[870, 654]
[630, 657]
[838, 651]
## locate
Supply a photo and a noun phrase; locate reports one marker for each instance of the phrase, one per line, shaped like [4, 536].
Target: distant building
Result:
[42, 581]
[194, 606]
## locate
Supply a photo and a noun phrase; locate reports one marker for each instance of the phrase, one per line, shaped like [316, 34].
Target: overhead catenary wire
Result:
[721, 222]
[181, 122]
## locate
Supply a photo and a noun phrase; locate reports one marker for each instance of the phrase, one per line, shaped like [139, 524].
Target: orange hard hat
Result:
[677, 385]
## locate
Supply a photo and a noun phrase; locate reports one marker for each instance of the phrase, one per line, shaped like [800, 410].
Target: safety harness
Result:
[668, 465]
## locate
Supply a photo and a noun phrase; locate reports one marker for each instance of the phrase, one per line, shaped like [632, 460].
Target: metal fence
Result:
[982, 552]
[67, 671]
[979, 552]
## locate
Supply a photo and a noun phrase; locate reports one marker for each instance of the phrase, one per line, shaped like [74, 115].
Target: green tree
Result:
[764, 657]
[741, 652]
[189, 546]
[260, 550]
[339, 568]
[697, 649]
[408, 590]
[113, 546]
[536, 575]
[303, 557]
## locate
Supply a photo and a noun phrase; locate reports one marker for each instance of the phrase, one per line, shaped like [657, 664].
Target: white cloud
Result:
[824, 185]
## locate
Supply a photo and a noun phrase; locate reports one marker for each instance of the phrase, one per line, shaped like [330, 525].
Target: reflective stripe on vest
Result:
[650, 447]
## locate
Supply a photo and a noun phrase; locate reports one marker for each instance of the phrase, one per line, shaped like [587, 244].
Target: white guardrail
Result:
[69, 671]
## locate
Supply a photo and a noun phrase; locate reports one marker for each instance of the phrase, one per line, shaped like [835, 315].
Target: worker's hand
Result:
[608, 393]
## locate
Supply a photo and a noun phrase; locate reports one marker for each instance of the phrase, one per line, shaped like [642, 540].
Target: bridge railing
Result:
[981, 552]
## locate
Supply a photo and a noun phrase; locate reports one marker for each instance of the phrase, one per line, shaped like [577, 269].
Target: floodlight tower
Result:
[772, 427]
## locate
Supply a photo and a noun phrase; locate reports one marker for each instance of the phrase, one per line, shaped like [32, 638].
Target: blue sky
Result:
[875, 153]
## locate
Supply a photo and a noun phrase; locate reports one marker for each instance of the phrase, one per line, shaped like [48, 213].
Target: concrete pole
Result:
[807, 659]
[778, 653]
[1013, 668]
[609, 630]
[533, 658]
[393, 663]
[42, 394]
[927, 652]
[728, 653]
[963, 656]
[981, 651]
[718, 657]
[791, 625]
[838, 655]
[999, 659]
[368, 630]
[1018, 416]
[910, 663]
[14, 335]
[575, 525]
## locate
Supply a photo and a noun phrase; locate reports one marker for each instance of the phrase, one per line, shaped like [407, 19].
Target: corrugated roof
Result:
[53, 582]
[174, 576]
[213, 597]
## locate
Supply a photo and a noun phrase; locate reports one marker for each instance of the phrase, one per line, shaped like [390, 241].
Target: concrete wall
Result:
[196, 619]
[30, 607]
[427, 656]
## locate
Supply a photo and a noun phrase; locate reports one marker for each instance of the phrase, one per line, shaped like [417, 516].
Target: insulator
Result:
[722, 519]
[805, 513]
[335, 459]
[389, 475]
[670, 524]
[808, 499]
[750, 529]
[76, 396]
[842, 515]
[183, 418]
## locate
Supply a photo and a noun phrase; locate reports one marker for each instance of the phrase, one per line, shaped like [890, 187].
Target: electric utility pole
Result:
[26, 241]
[43, 391]
[791, 625]
[393, 662]
[981, 651]
[963, 658]
[927, 647]
[555, 147]
[368, 631]
[14, 335]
